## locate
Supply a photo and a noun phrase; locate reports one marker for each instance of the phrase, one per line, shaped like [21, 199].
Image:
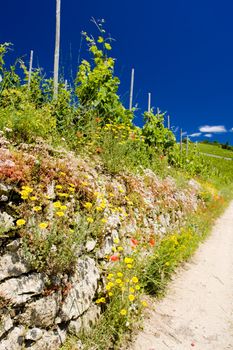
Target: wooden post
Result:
[149, 102]
[181, 136]
[187, 146]
[66, 84]
[131, 90]
[57, 49]
[30, 70]
[168, 122]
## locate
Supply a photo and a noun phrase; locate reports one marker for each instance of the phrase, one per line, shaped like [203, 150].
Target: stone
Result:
[14, 340]
[90, 245]
[86, 321]
[34, 334]
[6, 323]
[6, 221]
[21, 289]
[42, 312]
[84, 285]
[50, 341]
[12, 264]
[13, 246]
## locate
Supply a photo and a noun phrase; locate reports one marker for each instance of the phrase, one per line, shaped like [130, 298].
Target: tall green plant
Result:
[155, 133]
[96, 85]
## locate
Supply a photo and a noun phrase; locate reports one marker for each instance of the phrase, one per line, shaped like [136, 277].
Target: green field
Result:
[214, 149]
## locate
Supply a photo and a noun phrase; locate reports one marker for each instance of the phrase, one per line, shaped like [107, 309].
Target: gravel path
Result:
[197, 312]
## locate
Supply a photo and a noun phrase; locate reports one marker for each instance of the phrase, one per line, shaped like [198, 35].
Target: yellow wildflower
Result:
[119, 274]
[20, 222]
[130, 266]
[43, 225]
[99, 208]
[63, 207]
[123, 312]
[57, 204]
[131, 297]
[87, 205]
[110, 276]
[137, 287]
[58, 187]
[37, 208]
[60, 194]
[131, 290]
[24, 195]
[33, 198]
[90, 220]
[128, 260]
[103, 221]
[110, 294]
[60, 213]
[116, 240]
[134, 279]
[27, 189]
[71, 189]
[144, 303]
[120, 249]
[118, 281]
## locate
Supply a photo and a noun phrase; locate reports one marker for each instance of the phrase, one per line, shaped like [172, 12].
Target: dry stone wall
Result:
[37, 310]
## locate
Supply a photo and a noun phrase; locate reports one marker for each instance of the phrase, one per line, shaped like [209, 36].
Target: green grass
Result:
[214, 149]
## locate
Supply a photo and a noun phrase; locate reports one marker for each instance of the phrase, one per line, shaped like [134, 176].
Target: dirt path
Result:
[197, 312]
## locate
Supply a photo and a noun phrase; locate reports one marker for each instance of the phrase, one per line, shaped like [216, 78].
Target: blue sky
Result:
[182, 52]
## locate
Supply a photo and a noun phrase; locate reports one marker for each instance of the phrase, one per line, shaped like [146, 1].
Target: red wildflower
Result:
[134, 241]
[114, 258]
[152, 242]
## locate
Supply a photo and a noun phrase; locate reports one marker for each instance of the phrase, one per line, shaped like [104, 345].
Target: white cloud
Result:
[208, 135]
[196, 134]
[214, 128]
[184, 133]
[231, 130]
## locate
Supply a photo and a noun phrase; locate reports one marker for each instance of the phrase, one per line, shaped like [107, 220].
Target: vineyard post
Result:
[168, 122]
[30, 70]
[149, 102]
[181, 132]
[57, 49]
[187, 146]
[66, 85]
[131, 90]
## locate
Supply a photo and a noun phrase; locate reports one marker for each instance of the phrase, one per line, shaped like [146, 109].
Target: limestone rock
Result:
[50, 340]
[42, 312]
[90, 245]
[34, 334]
[14, 340]
[5, 324]
[12, 265]
[6, 221]
[21, 289]
[86, 321]
[84, 285]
